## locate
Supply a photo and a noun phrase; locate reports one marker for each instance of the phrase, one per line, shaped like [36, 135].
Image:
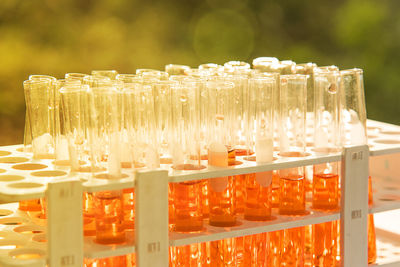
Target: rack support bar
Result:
[151, 218]
[354, 207]
[65, 223]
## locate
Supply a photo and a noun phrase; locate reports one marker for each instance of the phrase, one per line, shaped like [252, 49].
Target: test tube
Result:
[112, 74]
[185, 151]
[163, 118]
[222, 190]
[105, 139]
[325, 187]
[223, 252]
[152, 74]
[39, 95]
[75, 76]
[292, 144]
[260, 62]
[73, 103]
[353, 125]
[260, 139]
[256, 250]
[174, 69]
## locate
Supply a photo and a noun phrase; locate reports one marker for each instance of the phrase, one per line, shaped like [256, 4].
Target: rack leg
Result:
[151, 220]
[65, 224]
[354, 206]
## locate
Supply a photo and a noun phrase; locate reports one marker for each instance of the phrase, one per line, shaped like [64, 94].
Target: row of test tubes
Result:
[106, 124]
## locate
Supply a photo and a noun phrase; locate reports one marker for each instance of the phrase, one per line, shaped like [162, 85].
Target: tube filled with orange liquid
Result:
[260, 139]
[291, 181]
[186, 154]
[222, 190]
[110, 228]
[325, 186]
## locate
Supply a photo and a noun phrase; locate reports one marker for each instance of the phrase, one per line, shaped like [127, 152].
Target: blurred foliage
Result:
[56, 37]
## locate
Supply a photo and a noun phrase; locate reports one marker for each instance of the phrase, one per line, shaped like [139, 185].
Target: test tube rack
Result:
[58, 241]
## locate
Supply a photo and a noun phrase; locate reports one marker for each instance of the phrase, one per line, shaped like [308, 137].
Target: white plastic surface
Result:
[354, 207]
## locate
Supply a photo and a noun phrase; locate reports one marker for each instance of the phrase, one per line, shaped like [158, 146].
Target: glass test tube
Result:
[353, 125]
[326, 175]
[185, 151]
[292, 144]
[105, 138]
[39, 95]
[260, 139]
[112, 74]
[174, 69]
[222, 190]
[73, 103]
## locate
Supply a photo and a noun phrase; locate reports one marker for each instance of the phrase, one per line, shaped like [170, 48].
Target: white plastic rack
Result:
[58, 241]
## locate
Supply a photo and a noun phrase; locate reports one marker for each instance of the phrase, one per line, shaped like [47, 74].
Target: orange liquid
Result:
[274, 257]
[258, 200]
[275, 189]
[109, 217]
[240, 251]
[189, 255]
[292, 195]
[204, 190]
[30, 205]
[171, 210]
[256, 250]
[240, 192]
[118, 261]
[325, 244]
[292, 247]
[89, 225]
[128, 196]
[222, 201]
[308, 244]
[43, 207]
[325, 235]
[371, 227]
[188, 206]
[325, 191]
[223, 253]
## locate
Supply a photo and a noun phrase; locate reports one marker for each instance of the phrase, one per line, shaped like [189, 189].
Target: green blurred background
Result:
[56, 37]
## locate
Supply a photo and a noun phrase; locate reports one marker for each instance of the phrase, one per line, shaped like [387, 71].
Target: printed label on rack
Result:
[219, 184]
[264, 178]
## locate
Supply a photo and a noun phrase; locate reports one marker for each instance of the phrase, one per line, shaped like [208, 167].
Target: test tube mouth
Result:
[41, 77]
[351, 71]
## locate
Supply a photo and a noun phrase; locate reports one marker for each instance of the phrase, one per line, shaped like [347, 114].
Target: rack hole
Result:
[234, 163]
[294, 154]
[188, 167]
[386, 199]
[52, 173]
[387, 141]
[109, 176]
[9, 246]
[373, 128]
[29, 166]
[12, 160]
[2, 170]
[27, 253]
[391, 132]
[13, 220]
[11, 178]
[29, 229]
[40, 238]
[25, 185]
[4, 212]
[4, 153]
